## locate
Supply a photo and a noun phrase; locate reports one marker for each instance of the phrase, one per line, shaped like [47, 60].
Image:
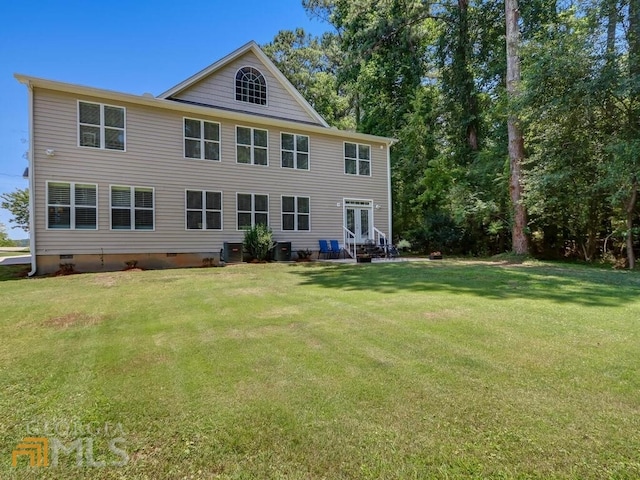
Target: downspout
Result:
[390, 238]
[32, 174]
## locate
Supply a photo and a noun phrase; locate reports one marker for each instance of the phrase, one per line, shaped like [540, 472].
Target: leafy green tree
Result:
[435, 76]
[311, 65]
[516, 140]
[17, 203]
[5, 241]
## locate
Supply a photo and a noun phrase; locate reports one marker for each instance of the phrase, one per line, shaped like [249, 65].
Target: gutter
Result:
[181, 107]
[32, 172]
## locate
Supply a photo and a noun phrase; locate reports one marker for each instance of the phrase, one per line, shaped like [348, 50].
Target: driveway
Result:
[16, 260]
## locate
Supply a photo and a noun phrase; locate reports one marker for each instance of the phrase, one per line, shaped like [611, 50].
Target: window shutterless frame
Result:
[357, 159]
[251, 210]
[89, 135]
[74, 204]
[290, 153]
[295, 208]
[203, 210]
[250, 86]
[132, 207]
[202, 142]
[247, 149]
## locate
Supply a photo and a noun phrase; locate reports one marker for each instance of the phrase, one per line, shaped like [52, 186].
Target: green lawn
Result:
[447, 369]
[14, 254]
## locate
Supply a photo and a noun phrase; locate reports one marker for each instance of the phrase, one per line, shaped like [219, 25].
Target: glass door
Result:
[358, 219]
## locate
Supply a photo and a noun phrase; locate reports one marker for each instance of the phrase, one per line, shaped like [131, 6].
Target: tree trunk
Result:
[631, 207]
[461, 59]
[634, 115]
[516, 141]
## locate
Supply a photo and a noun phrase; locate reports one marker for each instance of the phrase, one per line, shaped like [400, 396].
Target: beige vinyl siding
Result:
[219, 90]
[154, 158]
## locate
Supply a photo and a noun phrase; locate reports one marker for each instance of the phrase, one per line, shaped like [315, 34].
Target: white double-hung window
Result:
[252, 209]
[294, 151]
[101, 126]
[72, 206]
[252, 146]
[132, 208]
[203, 210]
[295, 213]
[201, 139]
[357, 159]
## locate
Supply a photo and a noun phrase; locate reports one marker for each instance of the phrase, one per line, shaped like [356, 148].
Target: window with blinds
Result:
[132, 208]
[72, 206]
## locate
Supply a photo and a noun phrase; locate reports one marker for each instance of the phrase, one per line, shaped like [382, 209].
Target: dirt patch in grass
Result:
[263, 331]
[74, 319]
[107, 280]
[444, 314]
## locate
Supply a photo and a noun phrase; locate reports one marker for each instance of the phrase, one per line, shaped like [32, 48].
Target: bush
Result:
[439, 232]
[258, 242]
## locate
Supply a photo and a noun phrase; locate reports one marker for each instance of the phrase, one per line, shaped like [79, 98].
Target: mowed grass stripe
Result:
[448, 369]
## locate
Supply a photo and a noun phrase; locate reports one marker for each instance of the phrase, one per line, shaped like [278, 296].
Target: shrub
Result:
[404, 245]
[258, 242]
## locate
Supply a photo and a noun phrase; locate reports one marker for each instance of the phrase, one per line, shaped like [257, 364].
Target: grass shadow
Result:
[556, 282]
[13, 272]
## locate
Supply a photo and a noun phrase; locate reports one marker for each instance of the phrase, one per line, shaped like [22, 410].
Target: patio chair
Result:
[324, 248]
[390, 251]
[335, 248]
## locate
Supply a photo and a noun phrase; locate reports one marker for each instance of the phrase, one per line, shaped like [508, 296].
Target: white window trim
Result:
[132, 207]
[295, 152]
[253, 209]
[101, 126]
[202, 140]
[358, 203]
[72, 198]
[294, 213]
[252, 146]
[204, 210]
[358, 160]
[266, 86]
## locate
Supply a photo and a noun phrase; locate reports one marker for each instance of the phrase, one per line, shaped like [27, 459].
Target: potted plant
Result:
[364, 258]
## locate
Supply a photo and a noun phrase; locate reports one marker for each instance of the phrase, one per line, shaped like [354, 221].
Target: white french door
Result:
[359, 219]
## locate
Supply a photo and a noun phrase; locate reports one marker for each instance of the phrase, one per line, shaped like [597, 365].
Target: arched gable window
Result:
[251, 86]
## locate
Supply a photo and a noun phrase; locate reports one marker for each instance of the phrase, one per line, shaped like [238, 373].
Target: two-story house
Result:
[167, 180]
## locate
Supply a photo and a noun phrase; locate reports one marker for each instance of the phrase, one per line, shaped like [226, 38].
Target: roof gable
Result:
[215, 87]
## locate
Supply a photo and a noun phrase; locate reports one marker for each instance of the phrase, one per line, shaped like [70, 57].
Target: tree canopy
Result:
[435, 76]
[17, 202]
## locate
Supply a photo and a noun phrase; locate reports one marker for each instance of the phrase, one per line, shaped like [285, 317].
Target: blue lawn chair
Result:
[324, 248]
[335, 248]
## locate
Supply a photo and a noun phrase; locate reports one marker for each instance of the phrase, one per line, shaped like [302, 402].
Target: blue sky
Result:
[124, 45]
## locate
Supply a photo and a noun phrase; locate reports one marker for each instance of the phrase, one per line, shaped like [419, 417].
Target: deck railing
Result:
[378, 236]
[349, 242]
